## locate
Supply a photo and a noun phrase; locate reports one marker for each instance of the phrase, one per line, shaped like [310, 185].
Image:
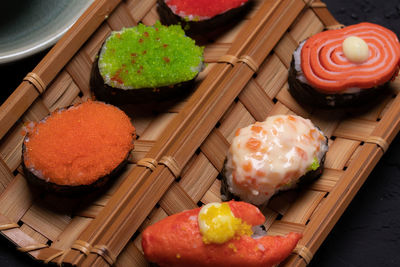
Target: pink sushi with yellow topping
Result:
[217, 234]
[273, 155]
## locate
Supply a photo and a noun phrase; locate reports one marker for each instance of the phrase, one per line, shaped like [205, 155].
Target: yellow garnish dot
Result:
[218, 224]
[178, 256]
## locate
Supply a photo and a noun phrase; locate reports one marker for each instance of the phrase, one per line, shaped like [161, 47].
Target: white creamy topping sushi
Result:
[269, 156]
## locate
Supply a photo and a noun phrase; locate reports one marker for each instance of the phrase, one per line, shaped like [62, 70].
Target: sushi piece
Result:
[78, 148]
[201, 16]
[271, 156]
[145, 63]
[218, 234]
[345, 67]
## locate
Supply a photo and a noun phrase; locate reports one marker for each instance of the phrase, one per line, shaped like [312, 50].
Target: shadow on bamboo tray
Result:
[182, 146]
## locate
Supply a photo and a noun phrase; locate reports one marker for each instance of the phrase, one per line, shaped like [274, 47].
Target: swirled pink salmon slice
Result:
[326, 68]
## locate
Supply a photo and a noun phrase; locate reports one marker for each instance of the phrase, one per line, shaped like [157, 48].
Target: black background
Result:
[368, 233]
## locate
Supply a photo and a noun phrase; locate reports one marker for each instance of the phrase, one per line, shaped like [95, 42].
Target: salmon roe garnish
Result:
[253, 144]
[256, 128]
[248, 166]
[237, 132]
[79, 145]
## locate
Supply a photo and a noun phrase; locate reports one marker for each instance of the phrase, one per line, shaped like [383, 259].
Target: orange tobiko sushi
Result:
[344, 67]
[217, 234]
[78, 147]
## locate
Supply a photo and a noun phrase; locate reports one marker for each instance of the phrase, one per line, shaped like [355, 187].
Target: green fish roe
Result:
[149, 57]
[314, 165]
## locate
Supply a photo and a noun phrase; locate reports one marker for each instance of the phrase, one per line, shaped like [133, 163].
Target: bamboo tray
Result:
[182, 145]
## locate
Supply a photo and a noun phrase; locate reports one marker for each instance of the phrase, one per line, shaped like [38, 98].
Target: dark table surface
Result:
[368, 233]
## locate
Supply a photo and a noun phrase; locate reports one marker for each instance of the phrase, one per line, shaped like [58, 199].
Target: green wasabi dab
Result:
[149, 57]
[314, 165]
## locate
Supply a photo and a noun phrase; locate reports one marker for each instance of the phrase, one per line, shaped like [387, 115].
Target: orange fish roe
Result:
[301, 152]
[237, 132]
[256, 128]
[248, 166]
[79, 145]
[253, 144]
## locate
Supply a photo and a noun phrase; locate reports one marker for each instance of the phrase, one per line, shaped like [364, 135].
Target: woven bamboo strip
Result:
[5, 175]
[34, 234]
[325, 16]
[284, 49]
[282, 203]
[272, 76]
[155, 215]
[285, 98]
[10, 151]
[338, 157]
[139, 9]
[121, 18]
[71, 233]
[16, 105]
[301, 210]
[211, 147]
[79, 68]
[176, 200]
[23, 240]
[36, 112]
[93, 45]
[213, 194]
[132, 257]
[283, 228]
[270, 216]
[309, 24]
[16, 199]
[151, 17]
[254, 96]
[327, 121]
[389, 125]
[90, 212]
[45, 222]
[327, 181]
[355, 129]
[200, 177]
[187, 143]
[228, 129]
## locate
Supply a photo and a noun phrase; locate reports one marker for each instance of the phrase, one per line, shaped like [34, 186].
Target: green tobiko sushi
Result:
[145, 61]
